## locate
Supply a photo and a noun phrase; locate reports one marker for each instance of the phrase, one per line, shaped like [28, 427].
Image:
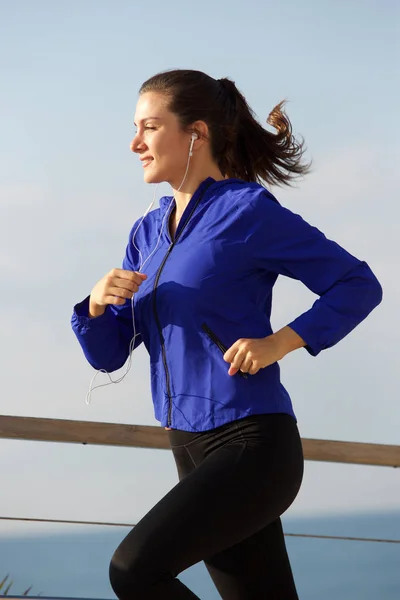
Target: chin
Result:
[149, 177]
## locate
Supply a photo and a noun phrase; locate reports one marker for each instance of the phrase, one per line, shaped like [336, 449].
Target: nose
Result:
[137, 144]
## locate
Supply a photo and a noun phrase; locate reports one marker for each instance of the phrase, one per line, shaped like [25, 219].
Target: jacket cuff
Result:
[301, 327]
[80, 320]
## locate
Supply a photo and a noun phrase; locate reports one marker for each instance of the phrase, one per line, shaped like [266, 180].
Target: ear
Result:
[202, 131]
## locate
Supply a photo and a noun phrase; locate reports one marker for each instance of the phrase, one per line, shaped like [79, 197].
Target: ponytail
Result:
[252, 152]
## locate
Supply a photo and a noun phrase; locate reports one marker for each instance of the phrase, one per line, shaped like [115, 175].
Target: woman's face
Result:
[159, 141]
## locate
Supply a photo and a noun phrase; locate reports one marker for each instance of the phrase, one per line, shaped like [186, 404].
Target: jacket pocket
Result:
[214, 338]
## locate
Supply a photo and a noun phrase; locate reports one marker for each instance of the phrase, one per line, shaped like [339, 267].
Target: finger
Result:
[130, 275]
[246, 364]
[114, 300]
[231, 352]
[236, 364]
[245, 367]
[232, 371]
[253, 369]
[119, 292]
[238, 359]
[124, 284]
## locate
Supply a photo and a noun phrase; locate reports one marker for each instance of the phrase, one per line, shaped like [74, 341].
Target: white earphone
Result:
[194, 138]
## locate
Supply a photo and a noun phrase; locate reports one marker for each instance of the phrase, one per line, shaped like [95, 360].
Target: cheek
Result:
[169, 149]
[177, 152]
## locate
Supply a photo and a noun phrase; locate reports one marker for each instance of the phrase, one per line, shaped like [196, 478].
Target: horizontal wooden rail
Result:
[83, 432]
[147, 436]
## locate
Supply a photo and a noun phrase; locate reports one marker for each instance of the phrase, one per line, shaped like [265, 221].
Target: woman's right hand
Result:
[114, 288]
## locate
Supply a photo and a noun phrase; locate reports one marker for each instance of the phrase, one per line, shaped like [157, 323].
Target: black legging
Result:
[235, 482]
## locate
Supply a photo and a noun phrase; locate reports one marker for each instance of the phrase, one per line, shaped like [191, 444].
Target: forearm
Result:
[338, 311]
[287, 340]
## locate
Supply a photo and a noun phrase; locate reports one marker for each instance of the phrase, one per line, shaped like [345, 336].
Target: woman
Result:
[212, 254]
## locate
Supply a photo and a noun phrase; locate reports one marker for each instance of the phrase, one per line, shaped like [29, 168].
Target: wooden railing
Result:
[146, 436]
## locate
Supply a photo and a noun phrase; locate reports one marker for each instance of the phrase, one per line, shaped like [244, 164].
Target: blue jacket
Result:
[212, 286]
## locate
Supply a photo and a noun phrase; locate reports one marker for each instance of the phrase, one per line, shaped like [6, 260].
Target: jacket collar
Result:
[165, 201]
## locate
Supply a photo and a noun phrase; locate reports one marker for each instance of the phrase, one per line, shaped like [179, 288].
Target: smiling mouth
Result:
[147, 162]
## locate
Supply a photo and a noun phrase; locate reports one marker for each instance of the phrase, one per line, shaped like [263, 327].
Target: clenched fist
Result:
[114, 288]
[252, 354]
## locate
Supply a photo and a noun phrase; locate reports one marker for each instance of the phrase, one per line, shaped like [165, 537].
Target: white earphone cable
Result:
[141, 265]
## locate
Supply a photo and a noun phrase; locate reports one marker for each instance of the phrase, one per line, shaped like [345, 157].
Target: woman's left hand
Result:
[251, 355]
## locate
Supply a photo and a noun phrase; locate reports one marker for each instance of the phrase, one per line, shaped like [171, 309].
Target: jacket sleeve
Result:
[105, 340]
[282, 242]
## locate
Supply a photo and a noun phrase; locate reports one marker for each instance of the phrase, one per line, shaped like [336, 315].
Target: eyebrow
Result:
[148, 119]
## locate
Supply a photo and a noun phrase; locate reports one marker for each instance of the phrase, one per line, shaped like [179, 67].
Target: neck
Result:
[190, 185]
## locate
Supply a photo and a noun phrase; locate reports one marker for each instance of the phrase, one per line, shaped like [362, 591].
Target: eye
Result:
[149, 127]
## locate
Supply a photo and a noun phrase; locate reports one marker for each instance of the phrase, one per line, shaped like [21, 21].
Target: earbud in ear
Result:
[194, 138]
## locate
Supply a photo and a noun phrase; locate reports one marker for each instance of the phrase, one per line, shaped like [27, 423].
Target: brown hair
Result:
[240, 145]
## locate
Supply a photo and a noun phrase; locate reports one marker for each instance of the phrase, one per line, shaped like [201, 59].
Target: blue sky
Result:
[70, 190]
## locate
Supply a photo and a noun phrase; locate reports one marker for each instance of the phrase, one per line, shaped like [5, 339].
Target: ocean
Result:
[76, 564]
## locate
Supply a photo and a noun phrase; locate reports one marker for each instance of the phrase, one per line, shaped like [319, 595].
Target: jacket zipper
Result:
[163, 353]
[220, 345]
[158, 275]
